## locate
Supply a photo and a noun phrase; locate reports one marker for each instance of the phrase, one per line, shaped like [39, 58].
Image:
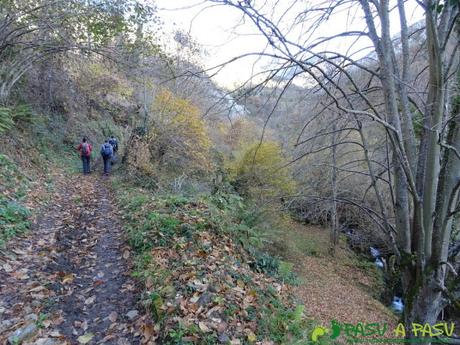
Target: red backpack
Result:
[85, 149]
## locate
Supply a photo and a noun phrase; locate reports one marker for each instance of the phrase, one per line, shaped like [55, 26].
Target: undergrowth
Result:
[206, 278]
[13, 214]
[28, 153]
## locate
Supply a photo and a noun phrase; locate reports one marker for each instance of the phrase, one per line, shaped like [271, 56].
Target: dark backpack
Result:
[106, 150]
[85, 149]
[114, 144]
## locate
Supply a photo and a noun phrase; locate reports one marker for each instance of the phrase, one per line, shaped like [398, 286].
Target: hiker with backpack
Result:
[106, 153]
[114, 143]
[85, 153]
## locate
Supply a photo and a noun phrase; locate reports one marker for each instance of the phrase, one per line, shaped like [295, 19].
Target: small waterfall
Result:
[397, 305]
[379, 263]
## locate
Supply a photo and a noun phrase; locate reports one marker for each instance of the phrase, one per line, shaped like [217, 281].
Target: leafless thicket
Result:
[395, 108]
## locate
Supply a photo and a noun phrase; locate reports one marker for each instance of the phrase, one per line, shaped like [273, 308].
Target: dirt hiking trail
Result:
[68, 280]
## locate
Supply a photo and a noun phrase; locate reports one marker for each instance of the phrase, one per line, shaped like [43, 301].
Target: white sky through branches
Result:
[224, 34]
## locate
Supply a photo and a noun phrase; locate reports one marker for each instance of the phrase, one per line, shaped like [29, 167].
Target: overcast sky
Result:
[222, 34]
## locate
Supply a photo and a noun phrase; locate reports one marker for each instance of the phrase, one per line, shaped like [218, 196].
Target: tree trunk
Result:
[426, 303]
[334, 220]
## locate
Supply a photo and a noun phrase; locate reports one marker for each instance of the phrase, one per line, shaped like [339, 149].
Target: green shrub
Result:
[13, 219]
[137, 201]
[286, 273]
[265, 263]
[176, 201]
[281, 324]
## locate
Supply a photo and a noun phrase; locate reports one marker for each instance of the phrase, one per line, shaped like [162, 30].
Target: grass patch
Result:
[13, 220]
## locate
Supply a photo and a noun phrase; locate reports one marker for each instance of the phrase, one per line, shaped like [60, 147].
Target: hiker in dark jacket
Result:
[85, 153]
[106, 153]
[114, 143]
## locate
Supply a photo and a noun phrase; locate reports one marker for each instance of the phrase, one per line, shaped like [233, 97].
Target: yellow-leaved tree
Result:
[259, 170]
[178, 134]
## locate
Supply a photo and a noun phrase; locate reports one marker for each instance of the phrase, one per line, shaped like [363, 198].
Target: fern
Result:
[6, 119]
[22, 113]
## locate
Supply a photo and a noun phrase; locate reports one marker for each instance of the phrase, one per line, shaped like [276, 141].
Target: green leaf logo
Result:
[318, 332]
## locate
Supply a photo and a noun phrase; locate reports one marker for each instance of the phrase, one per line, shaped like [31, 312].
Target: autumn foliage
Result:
[179, 132]
[259, 169]
[176, 139]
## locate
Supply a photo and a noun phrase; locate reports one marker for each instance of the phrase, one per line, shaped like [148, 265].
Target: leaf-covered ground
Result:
[197, 279]
[68, 281]
[341, 288]
[201, 287]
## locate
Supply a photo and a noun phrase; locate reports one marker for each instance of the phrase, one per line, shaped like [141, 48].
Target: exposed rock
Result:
[132, 314]
[22, 334]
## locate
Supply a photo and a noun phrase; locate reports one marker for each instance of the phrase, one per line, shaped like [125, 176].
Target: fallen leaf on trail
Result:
[90, 300]
[7, 268]
[20, 275]
[113, 316]
[190, 339]
[68, 278]
[108, 337]
[37, 288]
[194, 299]
[98, 282]
[252, 293]
[37, 295]
[55, 334]
[44, 341]
[57, 321]
[148, 283]
[203, 327]
[126, 254]
[19, 251]
[251, 337]
[221, 327]
[148, 332]
[86, 338]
